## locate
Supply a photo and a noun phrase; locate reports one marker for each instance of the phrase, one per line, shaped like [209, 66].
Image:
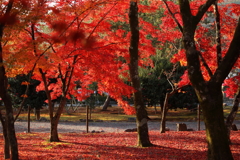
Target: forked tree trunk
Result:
[55, 120]
[106, 103]
[11, 135]
[141, 113]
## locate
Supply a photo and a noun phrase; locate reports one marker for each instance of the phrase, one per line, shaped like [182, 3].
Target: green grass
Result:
[116, 114]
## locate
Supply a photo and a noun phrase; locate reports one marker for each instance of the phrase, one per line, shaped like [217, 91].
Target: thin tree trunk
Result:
[106, 103]
[233, 113]
[164, 113]
[37, 113]
[87, 124]
[28, 119]
[155, 109]
[141, 113]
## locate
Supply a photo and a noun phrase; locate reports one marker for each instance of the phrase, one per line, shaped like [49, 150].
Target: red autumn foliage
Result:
[171, 145]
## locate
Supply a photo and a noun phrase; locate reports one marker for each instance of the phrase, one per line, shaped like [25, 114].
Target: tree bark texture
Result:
[209, 92]
[141, 113]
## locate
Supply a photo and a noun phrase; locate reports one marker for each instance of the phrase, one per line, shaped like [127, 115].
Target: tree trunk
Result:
[141, 113]
[37, 113]
[54, 131]
[55, 120]
[87, 124]
[5, 137]
[9, 111]
[164, 113]
[29, 118]
[233, 113]
[12, 140]
[106, 103]
[155, 109]
[217, 137]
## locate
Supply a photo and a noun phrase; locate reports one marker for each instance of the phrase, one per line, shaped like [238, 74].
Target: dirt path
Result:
[100, 126]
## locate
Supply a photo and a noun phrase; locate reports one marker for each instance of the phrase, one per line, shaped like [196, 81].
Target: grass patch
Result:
[116, 113]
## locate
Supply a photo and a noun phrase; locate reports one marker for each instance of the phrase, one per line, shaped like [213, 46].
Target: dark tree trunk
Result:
[161, 106]
[217, 138]
[54, 131]
[87, 118]
[29, 118]
[37, 113]
[141, 113]
[5, 137]
[12, 140]
[233, 113]
[155, 109]
[106, 103]
[55, 120]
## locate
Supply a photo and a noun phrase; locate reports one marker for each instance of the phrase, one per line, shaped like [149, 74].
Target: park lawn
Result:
[121, 146]
[116, 114]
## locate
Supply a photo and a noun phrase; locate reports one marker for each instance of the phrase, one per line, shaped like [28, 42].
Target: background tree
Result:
[17, 90]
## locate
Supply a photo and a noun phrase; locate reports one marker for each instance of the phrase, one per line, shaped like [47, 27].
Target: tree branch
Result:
[218, 34]
[174, 18]
[205, 65]
[202, 10]
[230, 58]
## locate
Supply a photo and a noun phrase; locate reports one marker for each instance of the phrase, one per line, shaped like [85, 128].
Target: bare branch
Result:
[230, 58]
[202, 10]
[205, 65]
[218, 34]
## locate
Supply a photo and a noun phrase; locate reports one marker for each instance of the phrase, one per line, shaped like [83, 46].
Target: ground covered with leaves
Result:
[107, 146]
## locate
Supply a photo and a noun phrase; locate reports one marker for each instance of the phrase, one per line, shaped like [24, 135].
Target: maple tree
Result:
[82, 53]
[206, 75]
[77, 42]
